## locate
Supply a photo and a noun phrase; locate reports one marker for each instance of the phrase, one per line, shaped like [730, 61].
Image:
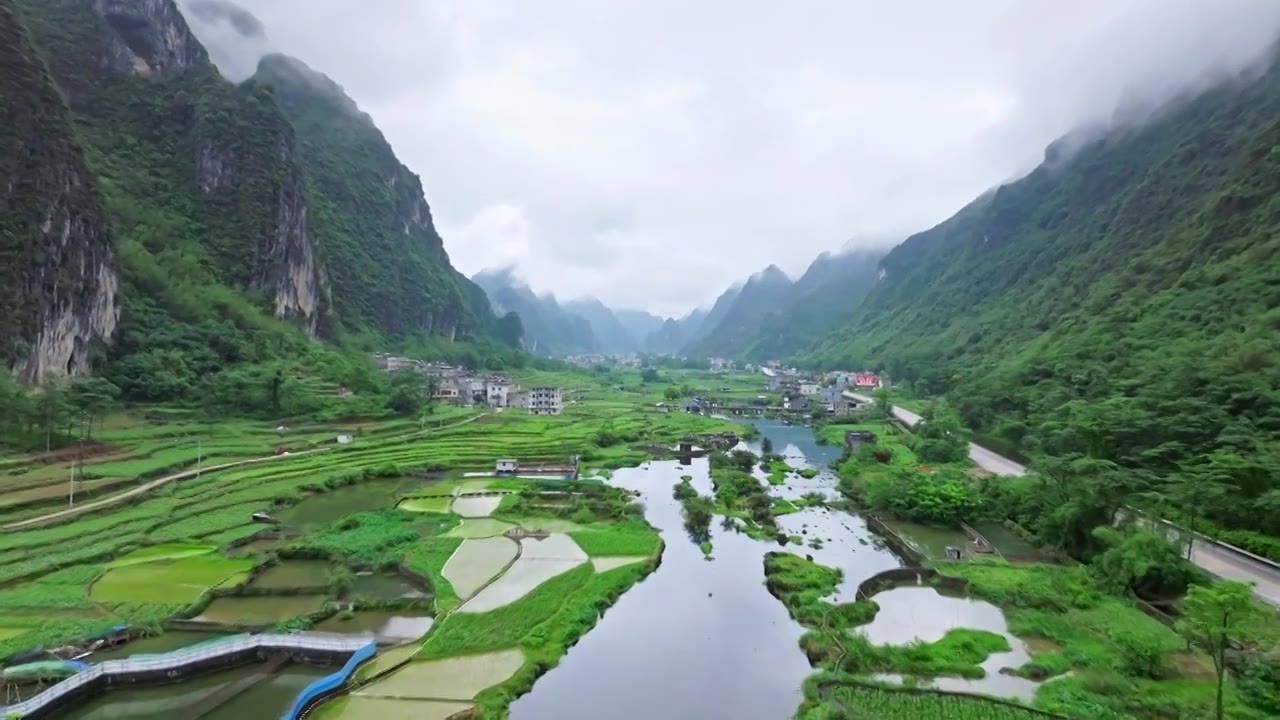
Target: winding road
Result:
[1220, 559]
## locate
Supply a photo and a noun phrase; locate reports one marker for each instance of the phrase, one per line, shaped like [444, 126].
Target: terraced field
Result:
[191, 548]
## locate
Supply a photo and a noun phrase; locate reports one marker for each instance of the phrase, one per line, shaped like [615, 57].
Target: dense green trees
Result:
[943, 497]
[939, 437]
[1212, 617]
[1120, 304]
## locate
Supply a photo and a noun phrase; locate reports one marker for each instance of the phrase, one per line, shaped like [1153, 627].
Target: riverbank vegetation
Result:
[1106, 658]
[208, 518]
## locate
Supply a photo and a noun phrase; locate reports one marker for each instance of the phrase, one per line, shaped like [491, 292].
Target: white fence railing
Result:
[330, 642]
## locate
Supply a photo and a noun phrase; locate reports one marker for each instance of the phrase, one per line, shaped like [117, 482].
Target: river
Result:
[701, 638]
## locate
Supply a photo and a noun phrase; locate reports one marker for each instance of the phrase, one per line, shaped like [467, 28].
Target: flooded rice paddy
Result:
[458, 678]
[316, 511]
[473, 506]
[287, 574]
[539, 561]
[386, 625]
[255, 610]
[477, 561]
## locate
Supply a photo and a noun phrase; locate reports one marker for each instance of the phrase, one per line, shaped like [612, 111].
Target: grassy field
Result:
[159, 554]
[169, 582]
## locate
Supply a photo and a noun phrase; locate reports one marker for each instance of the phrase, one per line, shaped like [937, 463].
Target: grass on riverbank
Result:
[834, 696]
[836, 649]
[1121, 661]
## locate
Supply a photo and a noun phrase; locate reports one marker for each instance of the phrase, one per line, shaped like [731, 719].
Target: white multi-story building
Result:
[544, 401]
[496, 391]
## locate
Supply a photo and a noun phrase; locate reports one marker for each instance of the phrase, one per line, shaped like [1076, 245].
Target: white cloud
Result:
[650, 153]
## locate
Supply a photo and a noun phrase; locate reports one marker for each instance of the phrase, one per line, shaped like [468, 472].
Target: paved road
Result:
[1212, 557]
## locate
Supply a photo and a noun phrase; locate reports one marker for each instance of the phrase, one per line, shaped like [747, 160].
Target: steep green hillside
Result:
[198, 181]
[1121, 303]
[237, 235]
[386, 262]
[728, 333]
[57, 256]
[828, 291]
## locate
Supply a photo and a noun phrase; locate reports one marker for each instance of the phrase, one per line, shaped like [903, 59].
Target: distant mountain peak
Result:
[293, 79]
[772, 274]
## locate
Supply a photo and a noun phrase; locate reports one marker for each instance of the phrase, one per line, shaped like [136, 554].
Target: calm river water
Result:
[702, 638]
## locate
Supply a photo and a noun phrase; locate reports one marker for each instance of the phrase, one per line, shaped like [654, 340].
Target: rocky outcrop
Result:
[151, 37]
[385, 260]
[58, 277]
[293, 276]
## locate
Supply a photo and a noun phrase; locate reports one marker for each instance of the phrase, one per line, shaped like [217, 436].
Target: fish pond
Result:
[251, 691]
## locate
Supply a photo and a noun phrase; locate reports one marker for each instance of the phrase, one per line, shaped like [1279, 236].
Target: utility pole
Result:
[199, 455]
[71, 486]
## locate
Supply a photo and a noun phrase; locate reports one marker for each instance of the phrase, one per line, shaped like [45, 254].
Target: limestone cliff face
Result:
[58, 276]
[385, 259]
[293, 276]
[248, 166]
[151, 37]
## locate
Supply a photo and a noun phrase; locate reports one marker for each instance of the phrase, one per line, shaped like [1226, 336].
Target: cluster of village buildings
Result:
[634, 360]
[461, 387]
[830, 391]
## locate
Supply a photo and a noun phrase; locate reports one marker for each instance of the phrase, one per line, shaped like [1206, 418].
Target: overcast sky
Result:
[651, 152]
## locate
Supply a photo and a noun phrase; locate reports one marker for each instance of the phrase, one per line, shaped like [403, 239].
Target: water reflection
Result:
[695, 639]
[908, 614]
[705, 639]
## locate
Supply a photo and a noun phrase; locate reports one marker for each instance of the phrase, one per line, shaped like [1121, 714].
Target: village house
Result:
[694, 405]
[544, 400]
[840, 408]
[866, 381]
[831, 395]
[795, 402]
[506, 466]
[809, 387]
[497, 389]
[446, 390]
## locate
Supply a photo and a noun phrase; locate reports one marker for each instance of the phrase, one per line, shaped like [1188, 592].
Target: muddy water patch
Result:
[386, 625]
[287, 574]
[383, 586]
[254, 610]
